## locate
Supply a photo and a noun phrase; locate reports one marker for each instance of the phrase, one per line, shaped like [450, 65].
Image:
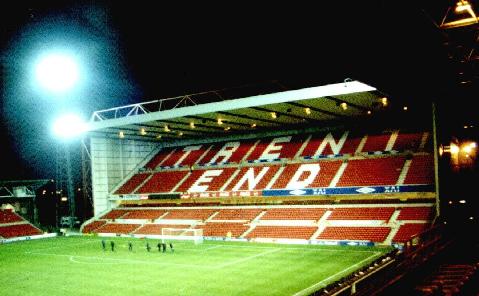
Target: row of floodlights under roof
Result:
[220, 121]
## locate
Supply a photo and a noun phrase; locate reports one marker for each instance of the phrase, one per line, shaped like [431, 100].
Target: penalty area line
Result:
[248, 258]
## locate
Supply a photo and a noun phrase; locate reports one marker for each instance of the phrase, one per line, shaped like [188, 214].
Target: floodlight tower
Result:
[58, 73]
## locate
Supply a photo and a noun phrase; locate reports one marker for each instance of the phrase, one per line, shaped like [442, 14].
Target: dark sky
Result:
[144, 50]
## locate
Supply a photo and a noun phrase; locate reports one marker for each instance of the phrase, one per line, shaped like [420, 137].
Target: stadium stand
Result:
[13, 225]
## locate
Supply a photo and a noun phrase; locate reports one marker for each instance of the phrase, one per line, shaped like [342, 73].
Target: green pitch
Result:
[79, 266]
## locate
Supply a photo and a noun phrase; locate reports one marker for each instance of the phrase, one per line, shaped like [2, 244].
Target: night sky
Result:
[139, 51]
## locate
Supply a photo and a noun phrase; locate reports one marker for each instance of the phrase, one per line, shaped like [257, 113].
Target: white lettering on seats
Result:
[273, 151]
[252, 180]
[187, 151]
[335, 147]
[206, 177]
[312, 169]
[225, 152]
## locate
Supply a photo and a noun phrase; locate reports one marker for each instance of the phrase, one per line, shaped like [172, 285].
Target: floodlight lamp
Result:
[307, 110]
[343, 106]
[69, 126]
[273, 115]
[454, 149]
[57, 72]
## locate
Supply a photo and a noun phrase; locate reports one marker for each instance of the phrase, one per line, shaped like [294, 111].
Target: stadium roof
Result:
[190, 116]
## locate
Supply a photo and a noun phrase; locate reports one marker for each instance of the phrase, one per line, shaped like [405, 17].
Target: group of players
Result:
[161, 246]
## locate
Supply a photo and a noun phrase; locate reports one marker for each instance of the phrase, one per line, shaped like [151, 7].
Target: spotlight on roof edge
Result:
[463, 7]
[69, 126]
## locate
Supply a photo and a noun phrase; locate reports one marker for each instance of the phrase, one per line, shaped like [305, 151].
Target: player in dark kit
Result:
[171, 247]
[148, 248]
[103, 244]
[163, 246]
[130, 246]
[159, 247]
[112, 244]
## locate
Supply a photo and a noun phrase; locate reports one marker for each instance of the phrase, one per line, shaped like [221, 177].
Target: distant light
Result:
[192, 125]
[79, 189]
[220, 121]
[369, 112]
[57, 72]
[167, 129]
[384, 101]
[450, 202]
[180, 134]
[404, 108]
[227, 128]
[69, 126]
[307, 110]
[121, 134]
[463, 5]
[343, 106]
[273, 115]
[253, 125]
[445, 222]
[471, 218]
[462, 201]
[441, 150]
[64, 198]
[465, 126]
[142, 131]
[158, 137]
[469, 147]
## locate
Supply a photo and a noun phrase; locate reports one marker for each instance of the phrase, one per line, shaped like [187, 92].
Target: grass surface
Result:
[79, 266]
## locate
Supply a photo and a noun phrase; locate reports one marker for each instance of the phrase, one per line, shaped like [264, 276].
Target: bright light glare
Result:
[57, 73]
[454, 149]
[69, 126]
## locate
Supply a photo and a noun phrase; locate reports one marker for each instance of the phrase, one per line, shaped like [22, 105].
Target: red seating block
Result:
[294, 232]
[130, 185]
[421, 170]
[114, 214]
[18, 230]
[7, 216]
[383, 214]
[294, 214]
[406, 231]
[92, 226]
[374, 234]
[162, 182]
[223, 229]
[372, 172]
[116, 228]
[237, 214]
[416, 213]
[156, 228]
[194, 214]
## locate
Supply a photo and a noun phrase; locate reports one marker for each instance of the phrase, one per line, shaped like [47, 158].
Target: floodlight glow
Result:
[57, 73]
[69, 126]
[454, 149]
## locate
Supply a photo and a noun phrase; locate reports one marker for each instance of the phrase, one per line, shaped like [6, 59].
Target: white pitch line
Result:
[314, 287]
[248, 258]
[213, 247]
[124, 260]
[72, 259]
[302, 249]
